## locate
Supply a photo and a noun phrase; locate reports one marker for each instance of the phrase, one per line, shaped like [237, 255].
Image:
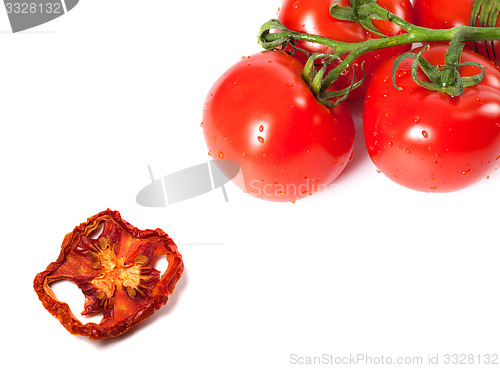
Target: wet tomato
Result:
[262, 115]
[430, 141]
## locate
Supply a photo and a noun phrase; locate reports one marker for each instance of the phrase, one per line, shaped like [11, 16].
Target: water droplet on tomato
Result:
[425, 134]
[296, 5]
[390, 144]
[201, 124]
[261, 128]
[416, 119]
[210, 153]
[466, 172]
[408, 150]
[221, 155]
[289, 84]
[293, 200]
[261, 140]
[386, 78]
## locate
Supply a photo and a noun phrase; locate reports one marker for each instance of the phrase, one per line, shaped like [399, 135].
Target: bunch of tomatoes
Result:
[261, 114]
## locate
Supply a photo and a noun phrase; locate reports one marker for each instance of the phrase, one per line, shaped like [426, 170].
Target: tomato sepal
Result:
[343, 94]
[359, 11]
[487, 11]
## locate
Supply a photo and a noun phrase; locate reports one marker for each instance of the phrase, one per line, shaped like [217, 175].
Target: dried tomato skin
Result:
[133, 250]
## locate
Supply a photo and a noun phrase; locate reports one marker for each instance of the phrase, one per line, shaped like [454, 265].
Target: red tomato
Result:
[438, 14]
[430, 141]
[313, 17]
[261, 114]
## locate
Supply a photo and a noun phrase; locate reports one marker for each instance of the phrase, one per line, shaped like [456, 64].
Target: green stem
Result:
[415, 34]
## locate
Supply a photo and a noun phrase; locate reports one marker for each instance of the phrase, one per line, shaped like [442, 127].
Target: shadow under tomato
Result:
[360, 155]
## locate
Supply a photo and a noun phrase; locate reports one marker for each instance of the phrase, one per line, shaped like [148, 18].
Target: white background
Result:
[89, 100]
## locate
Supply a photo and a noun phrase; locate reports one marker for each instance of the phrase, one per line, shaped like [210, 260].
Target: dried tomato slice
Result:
[115, 273]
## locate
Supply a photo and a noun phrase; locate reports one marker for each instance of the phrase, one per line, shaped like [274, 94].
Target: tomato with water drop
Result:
[430, 141]
[262, 115]
[314, 17]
